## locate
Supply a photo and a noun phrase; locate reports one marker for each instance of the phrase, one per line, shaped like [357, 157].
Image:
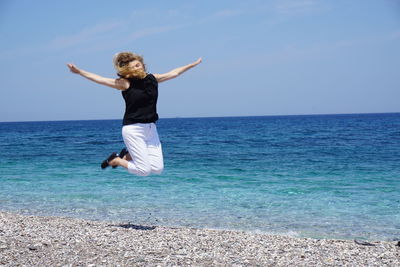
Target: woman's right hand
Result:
[73, 68]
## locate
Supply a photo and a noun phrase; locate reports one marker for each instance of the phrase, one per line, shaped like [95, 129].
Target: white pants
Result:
[143, 144]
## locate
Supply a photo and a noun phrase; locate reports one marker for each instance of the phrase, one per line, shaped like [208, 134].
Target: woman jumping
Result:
[140, 92]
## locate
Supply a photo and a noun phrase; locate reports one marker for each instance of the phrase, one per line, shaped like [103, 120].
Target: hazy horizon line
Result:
[205, 117]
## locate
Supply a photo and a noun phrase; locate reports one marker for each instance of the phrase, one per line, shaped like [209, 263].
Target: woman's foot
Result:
[117, 161]
[114, 162]
[107, 161]
[122, 154]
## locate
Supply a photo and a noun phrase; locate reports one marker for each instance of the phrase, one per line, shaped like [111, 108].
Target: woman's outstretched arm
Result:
[176, 72]
[120, 84]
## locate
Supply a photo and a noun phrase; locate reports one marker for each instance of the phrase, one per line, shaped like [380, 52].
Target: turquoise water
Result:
[322, 176]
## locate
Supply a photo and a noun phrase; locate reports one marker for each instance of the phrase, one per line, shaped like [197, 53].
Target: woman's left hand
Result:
[73, 68]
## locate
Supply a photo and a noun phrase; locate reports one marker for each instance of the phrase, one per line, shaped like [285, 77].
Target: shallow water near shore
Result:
[321, 176]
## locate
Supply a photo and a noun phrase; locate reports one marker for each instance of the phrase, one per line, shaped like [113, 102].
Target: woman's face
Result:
[136, 65]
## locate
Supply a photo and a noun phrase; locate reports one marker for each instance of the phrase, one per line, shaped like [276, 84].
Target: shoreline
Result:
[58, 241]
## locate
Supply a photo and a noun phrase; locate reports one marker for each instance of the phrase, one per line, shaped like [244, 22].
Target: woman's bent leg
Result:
[155, 151]
[156, 159]
[134, 137]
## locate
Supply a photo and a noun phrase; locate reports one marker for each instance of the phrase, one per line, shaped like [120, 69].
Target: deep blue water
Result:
[320, 176]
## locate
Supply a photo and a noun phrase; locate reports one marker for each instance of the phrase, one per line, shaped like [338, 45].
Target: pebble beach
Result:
[59, 241]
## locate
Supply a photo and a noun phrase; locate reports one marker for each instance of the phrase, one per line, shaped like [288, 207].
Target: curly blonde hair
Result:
[121, 64]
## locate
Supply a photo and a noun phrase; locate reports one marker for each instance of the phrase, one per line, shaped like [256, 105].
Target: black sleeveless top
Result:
[141, 100]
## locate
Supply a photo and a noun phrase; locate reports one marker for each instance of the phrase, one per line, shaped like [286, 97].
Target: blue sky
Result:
[259, 57]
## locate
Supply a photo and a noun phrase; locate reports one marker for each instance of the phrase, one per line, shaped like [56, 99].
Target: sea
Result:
[314, 176]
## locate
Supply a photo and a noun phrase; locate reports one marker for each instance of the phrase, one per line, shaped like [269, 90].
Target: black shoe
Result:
[121, 154]
[105, 163]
